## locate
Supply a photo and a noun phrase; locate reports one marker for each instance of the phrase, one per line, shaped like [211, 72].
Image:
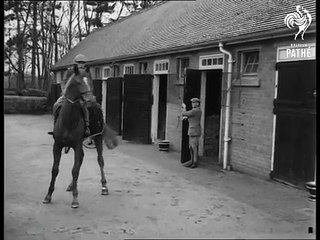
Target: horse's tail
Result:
[110, 137]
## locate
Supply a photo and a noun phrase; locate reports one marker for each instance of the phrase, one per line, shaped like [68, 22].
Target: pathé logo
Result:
[301, 19]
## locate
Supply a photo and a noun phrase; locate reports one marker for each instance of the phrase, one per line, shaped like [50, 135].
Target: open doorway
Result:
[162, 114]
[212, 115]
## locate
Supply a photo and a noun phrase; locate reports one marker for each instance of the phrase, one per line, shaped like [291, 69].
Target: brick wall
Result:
[252, 117]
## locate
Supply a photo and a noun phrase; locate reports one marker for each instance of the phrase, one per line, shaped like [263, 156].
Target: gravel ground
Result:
[151, 195]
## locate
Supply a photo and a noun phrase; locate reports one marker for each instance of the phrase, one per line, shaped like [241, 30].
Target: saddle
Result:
[95, 117]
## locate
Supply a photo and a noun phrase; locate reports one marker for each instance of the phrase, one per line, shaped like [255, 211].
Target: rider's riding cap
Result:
[80, 59]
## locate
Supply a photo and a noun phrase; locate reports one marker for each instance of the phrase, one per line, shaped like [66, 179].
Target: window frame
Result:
[103, 71]
[141, 67]
[95, 73]
[242, 79]
[211, 57]
[116, 70]
[161, 63]
[128, 65]
[243, 64]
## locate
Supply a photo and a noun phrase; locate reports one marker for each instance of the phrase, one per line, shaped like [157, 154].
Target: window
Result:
[97, 73]
[214, 61]
[143, 68]
[183, 63]
[247, 69]
[116, 70]
[106, 72]
[250, 63]
[161, 67]
[128, 69]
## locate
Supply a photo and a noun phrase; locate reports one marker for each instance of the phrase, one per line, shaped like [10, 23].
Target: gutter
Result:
[227, 139]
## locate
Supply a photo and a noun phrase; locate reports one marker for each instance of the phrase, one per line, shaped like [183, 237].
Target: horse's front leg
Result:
[54, 173]
[98, 142]
[78, 158]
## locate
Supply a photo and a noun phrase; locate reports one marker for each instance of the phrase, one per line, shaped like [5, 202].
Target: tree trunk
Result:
[34, 83]
[70, 24]
[19, 44]
[79, 22]
[39, 69]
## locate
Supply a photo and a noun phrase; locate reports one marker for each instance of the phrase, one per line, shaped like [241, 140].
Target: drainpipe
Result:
[227, 139]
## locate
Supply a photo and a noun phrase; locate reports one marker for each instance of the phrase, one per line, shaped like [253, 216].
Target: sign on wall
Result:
[296, 52]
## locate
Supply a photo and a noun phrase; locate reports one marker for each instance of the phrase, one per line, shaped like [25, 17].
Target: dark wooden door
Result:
[137, 104]
[97, 90]
[162, 116]
[191, 90]
[114, 103]
[295, 133]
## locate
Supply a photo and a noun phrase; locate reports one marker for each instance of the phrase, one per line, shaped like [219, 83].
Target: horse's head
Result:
[77, 84]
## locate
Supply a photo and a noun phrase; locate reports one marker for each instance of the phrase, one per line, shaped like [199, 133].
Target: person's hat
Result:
[80, 59]
[197, 100]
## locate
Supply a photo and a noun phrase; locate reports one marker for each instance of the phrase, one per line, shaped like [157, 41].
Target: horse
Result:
[68, 133]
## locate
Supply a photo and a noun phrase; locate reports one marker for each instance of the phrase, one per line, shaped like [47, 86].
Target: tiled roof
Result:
[178, 24]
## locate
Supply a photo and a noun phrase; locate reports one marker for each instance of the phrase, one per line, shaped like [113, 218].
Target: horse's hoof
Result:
[69, 189]
[46, 200]
[194, 165]
[188, 163]
[104, 191]
[75, 205]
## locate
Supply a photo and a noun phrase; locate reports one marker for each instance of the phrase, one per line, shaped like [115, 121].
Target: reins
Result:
[94, 135]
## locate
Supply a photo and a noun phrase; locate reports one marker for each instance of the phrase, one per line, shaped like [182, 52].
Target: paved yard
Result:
[151, 195]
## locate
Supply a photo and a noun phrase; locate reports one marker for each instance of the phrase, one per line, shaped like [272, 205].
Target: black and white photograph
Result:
[186, 119]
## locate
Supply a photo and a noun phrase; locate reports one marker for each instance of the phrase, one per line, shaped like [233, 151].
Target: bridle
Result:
[72, 102]
[78, 99]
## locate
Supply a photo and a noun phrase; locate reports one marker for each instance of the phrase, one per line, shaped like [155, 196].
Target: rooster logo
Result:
[301, 18]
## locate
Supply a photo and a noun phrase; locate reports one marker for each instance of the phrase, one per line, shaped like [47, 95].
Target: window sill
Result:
[246, 81]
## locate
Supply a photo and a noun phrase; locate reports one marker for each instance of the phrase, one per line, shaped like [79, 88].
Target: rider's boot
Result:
[55, 115]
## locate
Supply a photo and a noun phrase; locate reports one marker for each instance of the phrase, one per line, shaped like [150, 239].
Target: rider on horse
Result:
[87, 95]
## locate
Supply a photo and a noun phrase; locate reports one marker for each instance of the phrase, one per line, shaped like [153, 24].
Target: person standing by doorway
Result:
[194, 131]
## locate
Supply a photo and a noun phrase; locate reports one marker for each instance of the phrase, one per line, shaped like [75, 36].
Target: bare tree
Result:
[42, 35]
[21, 11]
[34, 37]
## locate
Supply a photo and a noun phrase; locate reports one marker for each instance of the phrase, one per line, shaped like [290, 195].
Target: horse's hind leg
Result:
[55, 170]
[78, 158]
[99, 146]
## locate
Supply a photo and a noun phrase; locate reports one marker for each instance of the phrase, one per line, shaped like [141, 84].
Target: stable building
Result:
[256, 82]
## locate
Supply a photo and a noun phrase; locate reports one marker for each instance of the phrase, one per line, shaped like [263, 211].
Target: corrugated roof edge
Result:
[258, 36]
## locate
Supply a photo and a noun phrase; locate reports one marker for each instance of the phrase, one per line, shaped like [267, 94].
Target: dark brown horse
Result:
[68, 132]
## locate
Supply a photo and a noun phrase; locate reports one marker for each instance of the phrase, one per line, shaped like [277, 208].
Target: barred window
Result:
[128, 69]
[97, 73]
